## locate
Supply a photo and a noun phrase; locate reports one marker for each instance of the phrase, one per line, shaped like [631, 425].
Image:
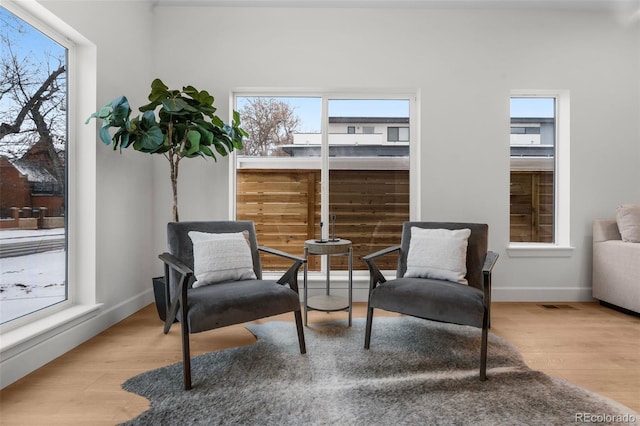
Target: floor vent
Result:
[566, 307]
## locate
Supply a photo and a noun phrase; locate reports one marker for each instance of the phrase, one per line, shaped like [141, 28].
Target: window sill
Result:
[18, 340]
[539, 250]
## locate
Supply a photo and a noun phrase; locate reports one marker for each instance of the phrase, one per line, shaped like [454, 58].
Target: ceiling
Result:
[630, 6]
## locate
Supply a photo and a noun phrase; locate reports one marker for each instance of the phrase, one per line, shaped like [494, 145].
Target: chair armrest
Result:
[291, 275]
[281, 254]
[375, 276]
[489, 261]
[175, 263]
[379, 253]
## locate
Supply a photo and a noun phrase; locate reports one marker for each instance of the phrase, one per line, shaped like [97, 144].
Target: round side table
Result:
[328, 302]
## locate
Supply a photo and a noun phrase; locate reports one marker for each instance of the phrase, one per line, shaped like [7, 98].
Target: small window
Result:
[397, 134]
[351, 130]
[392, 134]
[533, 194]
[369, 130]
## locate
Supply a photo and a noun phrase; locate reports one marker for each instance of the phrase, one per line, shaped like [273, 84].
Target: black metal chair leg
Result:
[483, 354]
[186, 353]
[186, 360]
[367, 335]
[303, 347]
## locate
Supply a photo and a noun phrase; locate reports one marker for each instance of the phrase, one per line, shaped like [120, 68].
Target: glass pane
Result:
[533, 144]
[403, 134]
[392, 134]
[33, 149]
[368, 176]
[278, 177]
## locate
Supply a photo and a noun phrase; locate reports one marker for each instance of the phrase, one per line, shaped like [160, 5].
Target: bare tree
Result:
[270, 123]
[32, 98]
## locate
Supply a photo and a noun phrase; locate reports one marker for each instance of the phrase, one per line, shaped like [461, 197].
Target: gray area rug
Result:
[417, 372]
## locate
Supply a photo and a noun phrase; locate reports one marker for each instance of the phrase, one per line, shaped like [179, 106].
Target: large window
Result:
[33, 167]
[539, 198]
[310, 159]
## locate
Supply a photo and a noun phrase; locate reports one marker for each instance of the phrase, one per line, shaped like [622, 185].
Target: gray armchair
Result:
[436, 299]
[228, 302]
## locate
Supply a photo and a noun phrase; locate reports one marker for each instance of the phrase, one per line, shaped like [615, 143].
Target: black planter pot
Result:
[161, 297]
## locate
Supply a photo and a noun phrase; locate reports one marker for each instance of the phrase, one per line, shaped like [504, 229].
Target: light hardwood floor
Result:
[587, 344]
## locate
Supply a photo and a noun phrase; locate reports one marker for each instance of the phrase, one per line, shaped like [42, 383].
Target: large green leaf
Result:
[157, 84]
[207, 151]
[125, 139]
[175, 105]
[120, 138]
[120, 110]
[105, 136]
[205, 133]
[193, 138]
[217, 121]
[148, 120]
[149, 140]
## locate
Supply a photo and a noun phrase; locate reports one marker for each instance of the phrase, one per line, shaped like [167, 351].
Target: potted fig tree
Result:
[175, 123]
[178, 124]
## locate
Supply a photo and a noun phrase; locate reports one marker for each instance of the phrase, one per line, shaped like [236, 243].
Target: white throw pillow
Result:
[628, 218]
[439, 254]
[220, 257]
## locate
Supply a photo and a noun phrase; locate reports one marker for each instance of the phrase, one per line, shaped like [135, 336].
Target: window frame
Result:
[561, 246]
[66, 303]
[412, 95]
[26, 332]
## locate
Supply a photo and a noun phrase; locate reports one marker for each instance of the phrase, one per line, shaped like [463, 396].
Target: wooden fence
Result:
[532, 206]
[370, 207]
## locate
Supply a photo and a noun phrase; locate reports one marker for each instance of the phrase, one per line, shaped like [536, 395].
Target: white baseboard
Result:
[35, 351]
[541, 294]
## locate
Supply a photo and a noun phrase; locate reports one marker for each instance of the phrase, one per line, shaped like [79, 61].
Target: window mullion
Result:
[324, 168]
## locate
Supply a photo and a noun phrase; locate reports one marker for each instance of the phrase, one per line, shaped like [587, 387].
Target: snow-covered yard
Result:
[32, 282]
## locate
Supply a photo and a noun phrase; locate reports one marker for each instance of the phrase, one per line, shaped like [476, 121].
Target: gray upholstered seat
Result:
[433, 299]
[224, 303]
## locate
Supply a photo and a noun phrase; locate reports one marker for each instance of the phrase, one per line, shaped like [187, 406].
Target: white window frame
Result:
[325, 95]
[27, 332]
[561, 247]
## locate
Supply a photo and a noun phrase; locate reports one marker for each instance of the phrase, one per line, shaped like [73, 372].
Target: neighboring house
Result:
[29, 182]
[389, 137]
[356, 137]
[14, 188]
[533, 137]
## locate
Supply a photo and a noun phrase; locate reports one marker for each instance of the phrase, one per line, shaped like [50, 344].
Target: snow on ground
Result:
[29, 283]
[14, 235]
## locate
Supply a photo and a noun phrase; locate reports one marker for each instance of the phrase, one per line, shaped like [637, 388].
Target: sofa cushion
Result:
[628, 218]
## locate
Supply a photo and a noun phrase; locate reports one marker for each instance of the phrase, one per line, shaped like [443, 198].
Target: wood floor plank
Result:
[584, 343]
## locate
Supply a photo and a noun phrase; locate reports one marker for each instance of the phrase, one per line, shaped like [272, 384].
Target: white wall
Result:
[123, 190]
[464, 63]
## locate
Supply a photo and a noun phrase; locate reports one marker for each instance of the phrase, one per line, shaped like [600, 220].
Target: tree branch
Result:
[11, 128]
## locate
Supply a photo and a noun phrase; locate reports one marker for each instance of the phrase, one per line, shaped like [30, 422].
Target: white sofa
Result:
[616, 266]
